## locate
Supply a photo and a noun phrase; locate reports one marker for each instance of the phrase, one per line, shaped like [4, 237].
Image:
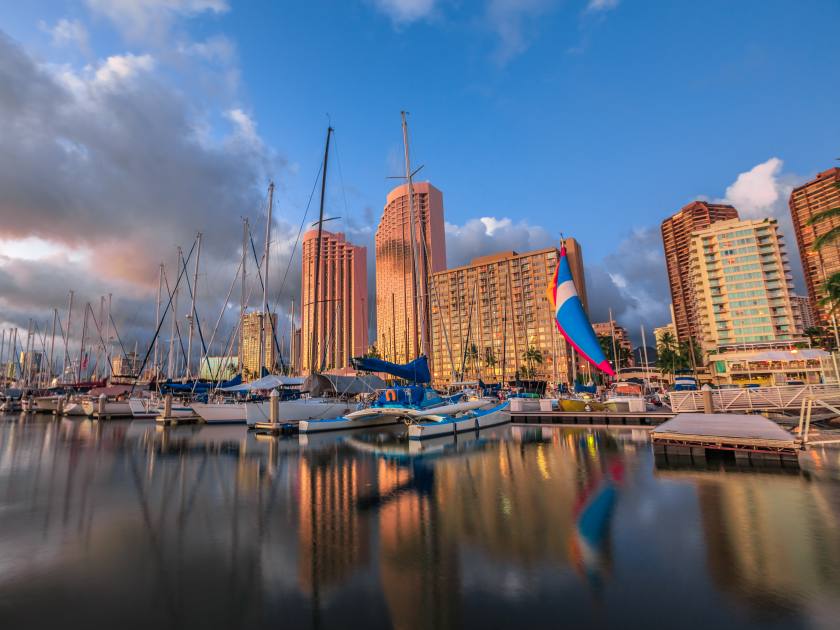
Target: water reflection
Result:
[127, 523]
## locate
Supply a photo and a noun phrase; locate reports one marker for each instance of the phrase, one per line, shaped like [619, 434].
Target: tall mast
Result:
[192, 308]
[418, 272]
[292, 338]
[156, 361]
[244, 297]
[313, 344]
[612, 336]
[108, 338]
[67, 336]
[27, 356]
[52, 345]
[3, 356]
[264, 307]
[82, 347]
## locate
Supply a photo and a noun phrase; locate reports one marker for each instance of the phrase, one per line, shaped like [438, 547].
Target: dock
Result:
[176, 421]
[276, 428]
[749, 437]
[620, 418]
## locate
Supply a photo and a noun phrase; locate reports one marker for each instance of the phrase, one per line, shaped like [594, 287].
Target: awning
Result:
[320, 384]
[272, 381]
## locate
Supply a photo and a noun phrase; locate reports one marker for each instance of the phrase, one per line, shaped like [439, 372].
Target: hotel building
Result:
[622, 340]
[487, 315]
[676, 238]
[802, 306]
[249, 343]
[742, 285]
[397, 306]
[339, 332]
[819, 194]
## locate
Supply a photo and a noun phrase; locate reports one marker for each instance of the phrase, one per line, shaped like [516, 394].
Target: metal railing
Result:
[781, 398]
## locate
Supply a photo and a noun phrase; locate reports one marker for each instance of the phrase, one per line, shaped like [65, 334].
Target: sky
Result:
[130, 125]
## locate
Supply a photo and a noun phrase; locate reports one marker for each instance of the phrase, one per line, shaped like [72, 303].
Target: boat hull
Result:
[343, 423]
[221, 413]
[473, 421]
[293, 411]
[579, 406]
[111, 408]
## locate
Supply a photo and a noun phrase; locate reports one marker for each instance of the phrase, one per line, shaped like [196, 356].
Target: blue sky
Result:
[595, 119]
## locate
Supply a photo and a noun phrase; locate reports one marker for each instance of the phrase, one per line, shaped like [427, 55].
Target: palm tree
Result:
[532, 355]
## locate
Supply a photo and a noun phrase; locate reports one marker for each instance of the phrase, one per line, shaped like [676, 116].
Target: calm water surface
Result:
[128, 526]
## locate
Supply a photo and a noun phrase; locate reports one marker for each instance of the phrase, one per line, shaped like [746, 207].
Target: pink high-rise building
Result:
[342, 310]
[397, 325]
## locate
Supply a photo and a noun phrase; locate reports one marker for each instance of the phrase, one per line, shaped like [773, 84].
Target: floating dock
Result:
[749, 437]
[621, 418]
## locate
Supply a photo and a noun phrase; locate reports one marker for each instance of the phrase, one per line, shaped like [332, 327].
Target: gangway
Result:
[780, 398]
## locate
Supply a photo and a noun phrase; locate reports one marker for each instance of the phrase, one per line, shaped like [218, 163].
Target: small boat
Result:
[221, 412]
[74, 408]
[583, 403]
[46, 404]
[626, 397]
[441, 423]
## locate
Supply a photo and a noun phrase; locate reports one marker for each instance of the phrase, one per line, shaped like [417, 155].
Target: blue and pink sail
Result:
[571, 319]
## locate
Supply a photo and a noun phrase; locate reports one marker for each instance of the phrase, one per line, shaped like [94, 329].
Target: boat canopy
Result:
[341, 385]
[199, 386]
[272, 381]
[416, 371]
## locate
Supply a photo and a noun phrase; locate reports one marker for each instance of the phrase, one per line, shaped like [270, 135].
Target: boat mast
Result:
[645, 354]
[264, 307]
[612, 336]
[67, 337]
[313, 343]
[108, 338]
[156, 361]
[52, 346]
[418, 266]
[192, 309]
[292, 338]
[82, 347]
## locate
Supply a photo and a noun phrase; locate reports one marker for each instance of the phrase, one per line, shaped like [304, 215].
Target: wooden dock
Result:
[749, 437]
[176, 421]
[620, 418]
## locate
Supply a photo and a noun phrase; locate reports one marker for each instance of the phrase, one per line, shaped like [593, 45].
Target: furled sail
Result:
[571, 319]
[416, 371]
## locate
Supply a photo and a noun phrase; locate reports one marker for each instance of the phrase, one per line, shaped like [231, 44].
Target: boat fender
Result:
[390, 395]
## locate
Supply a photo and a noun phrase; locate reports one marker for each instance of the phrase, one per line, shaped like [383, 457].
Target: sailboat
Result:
[574, 325]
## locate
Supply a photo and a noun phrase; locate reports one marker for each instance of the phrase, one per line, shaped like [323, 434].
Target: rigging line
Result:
[297, 240]
[216, 327]
[159, 324]
[197, 320]
[264, 308]
[175, 315]
[346, 218]
[117, 333]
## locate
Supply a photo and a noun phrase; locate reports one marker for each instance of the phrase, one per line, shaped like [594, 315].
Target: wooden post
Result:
[274, 406]
[708, 401]
[167, 406]
[100, 405]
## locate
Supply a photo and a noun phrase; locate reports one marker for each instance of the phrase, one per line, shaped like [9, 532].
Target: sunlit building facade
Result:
[398, 331]
[742, 285]
[341, 303]
[676, 238]
[491, 319]
[819, 194]
[249, 343]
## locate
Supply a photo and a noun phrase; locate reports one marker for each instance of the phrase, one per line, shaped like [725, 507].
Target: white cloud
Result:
[601, 5]
[406, 11]
[246, 128]
[140, 19]
[217, 48]
[513, 22]
[487, 235]
[68, 32]
[118, 68]
[755, 193]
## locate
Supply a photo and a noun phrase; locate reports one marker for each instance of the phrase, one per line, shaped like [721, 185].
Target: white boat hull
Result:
[297, 410]
[342, 423]
[439, 426]
[111, 408]
[221, 413]
[74, 409]
[46, 404]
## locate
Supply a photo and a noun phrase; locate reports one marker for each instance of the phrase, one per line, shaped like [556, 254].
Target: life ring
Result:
[390, 395]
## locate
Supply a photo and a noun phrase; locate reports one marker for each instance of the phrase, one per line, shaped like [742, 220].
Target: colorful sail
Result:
[571, 319]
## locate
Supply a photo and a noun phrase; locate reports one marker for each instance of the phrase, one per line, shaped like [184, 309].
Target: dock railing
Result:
[830, 402]
[781, 398]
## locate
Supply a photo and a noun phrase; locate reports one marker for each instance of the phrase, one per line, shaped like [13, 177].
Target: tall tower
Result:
[819, 194]
[398, 331]
[676, 237]
[341, 302]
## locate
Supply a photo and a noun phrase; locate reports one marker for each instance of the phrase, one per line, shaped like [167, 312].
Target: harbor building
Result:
[819, 194]
[676, 238]
[742, 285]
[249, 343]
[802, 305]
[397, 307]
[333, 323]
[491, 319]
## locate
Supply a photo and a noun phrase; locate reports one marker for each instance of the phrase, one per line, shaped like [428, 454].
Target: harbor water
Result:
[127, 525]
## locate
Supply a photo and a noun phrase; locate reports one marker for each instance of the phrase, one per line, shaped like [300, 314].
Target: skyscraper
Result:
[491, 318]
[333, 324]
[802, 304]
[817, 195]
[398, 308]
[249, 343]
[742, 285]
[676, 238]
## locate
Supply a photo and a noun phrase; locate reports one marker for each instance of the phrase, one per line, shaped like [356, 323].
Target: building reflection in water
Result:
[125, 523]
